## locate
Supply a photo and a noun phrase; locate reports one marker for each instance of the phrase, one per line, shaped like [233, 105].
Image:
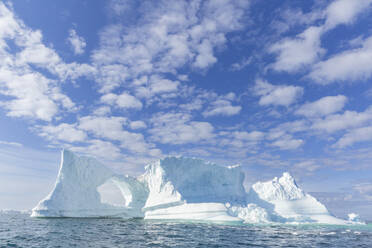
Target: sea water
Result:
[20, 230]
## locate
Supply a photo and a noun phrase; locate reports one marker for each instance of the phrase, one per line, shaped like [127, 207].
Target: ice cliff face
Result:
[174, 181]
[179, 188]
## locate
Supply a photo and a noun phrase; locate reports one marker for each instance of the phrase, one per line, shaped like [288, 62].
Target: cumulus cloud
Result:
[295, 54]
[112, 128]
[324, 106]
[170, 36]
[100, 148]
[31, 93]
[63, 132]
[223, 106]
[356, 135]
[270, 94]
[307, 165]
[287, 142]
[347, 120]
[349, 65]
[344, 11]
[137, 125]
[77, 42]
[305, 49]
[177, 128]
[123, 100]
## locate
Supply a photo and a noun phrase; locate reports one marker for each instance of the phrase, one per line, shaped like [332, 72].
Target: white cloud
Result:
[305, 49]
[241, 65]
[345, 11]
[31, 93]
[102, 111]
[222, 107]
[100, 148]
[324, 106]
[137, 125]
[177, 128]
[63, 132]
[169, 36]
[287, 142]
[364, 188]
[2, 142]
[308, 165]
[77, 42]
[346, 120]
[249, 136]
[112, 128]
[349, 65]
[354, 136]
[123, 100]
[104, 127]
[283, 95]
[295, 54]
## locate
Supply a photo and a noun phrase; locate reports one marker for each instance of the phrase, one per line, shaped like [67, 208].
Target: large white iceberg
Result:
[179, 188]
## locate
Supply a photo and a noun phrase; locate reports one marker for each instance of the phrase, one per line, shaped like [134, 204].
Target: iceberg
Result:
[286, 202]
[178, 188]
[75, 192]
[188, 188]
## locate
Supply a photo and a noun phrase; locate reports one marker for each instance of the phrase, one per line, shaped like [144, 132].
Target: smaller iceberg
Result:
[286, 202]
[355, 218]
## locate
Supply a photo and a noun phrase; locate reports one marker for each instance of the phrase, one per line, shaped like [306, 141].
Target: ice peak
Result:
[284, 188]
[287, 175]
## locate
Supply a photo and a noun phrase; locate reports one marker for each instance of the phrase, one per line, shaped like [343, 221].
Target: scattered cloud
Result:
[170, 36]
[241, 65]
[222, 107]
[63, 132]
[280, 95]
[123, 100]
[77, 42]
[355, 135]
[177, 128]
[7, 143]
[294, 54]
[137, 125]
[350, 65]
[347, 120]
[322, 107]
[287, 142]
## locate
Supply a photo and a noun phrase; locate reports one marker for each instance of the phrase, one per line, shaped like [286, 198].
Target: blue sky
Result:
[272, 85]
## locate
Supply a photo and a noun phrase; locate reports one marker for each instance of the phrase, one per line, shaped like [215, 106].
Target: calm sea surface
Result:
[19, 230]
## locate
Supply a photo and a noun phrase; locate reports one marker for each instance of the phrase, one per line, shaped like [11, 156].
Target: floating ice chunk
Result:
[354, 218]
[250, 214]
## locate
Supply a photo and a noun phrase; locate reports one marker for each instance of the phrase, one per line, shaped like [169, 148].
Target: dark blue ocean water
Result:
[19, 230]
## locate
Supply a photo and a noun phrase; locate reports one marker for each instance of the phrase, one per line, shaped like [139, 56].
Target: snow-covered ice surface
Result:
[180, 188]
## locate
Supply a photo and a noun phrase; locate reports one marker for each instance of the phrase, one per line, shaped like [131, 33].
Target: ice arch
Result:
[75, 193]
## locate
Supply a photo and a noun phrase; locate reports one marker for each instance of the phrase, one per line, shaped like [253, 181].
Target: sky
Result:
[271, 85]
